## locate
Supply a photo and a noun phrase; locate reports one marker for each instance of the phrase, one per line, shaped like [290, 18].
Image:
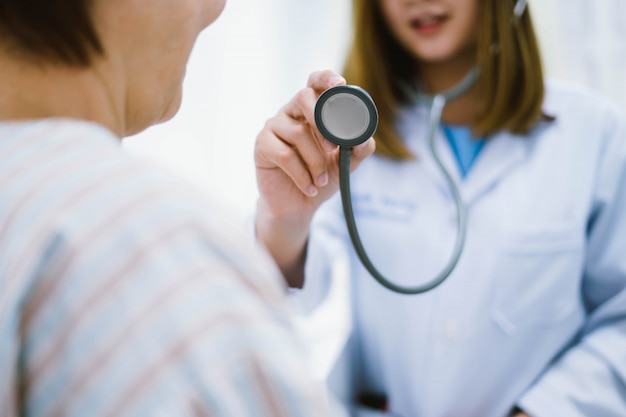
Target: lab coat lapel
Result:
[500, 155]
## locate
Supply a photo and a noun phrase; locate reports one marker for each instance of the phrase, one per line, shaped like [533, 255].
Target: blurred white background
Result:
[243, 68]
[260, 52]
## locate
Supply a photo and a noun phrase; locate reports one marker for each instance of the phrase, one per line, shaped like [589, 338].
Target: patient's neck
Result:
[34, 91]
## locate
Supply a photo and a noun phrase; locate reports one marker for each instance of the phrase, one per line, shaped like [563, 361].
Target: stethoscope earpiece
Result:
[346, 115]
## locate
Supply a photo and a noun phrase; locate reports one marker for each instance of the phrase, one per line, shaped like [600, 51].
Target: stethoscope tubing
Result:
[345, 154]
[437, 104]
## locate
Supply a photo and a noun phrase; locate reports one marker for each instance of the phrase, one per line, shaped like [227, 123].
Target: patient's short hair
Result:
[59, 31]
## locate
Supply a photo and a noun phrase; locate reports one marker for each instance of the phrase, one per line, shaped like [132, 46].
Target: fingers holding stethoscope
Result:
[291, 153]
[290, 145]
[313, 148]
[306, 100]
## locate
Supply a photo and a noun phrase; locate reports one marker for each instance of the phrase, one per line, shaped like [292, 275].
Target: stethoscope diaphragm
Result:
[346, 115]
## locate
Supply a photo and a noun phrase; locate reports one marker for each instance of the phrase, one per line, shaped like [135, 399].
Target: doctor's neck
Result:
[437, 77]
[440, 75]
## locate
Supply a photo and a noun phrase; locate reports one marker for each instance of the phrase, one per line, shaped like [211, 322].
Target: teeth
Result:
[428, 21]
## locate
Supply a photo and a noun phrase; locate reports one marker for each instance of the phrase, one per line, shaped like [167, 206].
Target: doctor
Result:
[532, 322]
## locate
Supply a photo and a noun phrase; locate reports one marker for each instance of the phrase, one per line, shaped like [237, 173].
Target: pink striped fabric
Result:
[125, 293]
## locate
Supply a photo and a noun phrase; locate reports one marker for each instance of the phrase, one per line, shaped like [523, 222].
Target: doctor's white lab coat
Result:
[534, 314]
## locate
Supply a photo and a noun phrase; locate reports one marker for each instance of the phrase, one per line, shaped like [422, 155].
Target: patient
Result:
[123, 292]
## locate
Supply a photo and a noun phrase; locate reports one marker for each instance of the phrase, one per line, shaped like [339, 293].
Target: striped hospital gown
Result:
[125, 293]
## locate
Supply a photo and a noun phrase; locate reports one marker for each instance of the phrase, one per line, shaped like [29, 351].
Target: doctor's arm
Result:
[589, 379]
[296, 170]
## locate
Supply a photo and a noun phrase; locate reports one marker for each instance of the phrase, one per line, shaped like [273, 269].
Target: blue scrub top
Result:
[465, 147]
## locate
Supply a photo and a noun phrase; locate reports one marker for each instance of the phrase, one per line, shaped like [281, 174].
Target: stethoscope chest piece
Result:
[346, 115]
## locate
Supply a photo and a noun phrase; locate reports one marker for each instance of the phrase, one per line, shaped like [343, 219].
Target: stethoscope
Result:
[347, 116]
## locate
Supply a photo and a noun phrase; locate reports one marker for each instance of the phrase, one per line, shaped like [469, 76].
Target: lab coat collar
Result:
[501, 154]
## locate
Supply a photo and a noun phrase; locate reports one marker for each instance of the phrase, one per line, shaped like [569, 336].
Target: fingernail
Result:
[360, 147]
[336, 79]
[322, 180]
[328, 145]
[312, 191]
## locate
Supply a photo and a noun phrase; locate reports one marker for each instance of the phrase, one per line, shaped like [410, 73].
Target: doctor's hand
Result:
[296, 167]
[297, 170]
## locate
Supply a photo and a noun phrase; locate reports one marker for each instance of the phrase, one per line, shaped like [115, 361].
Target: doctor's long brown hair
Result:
[511, 75]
